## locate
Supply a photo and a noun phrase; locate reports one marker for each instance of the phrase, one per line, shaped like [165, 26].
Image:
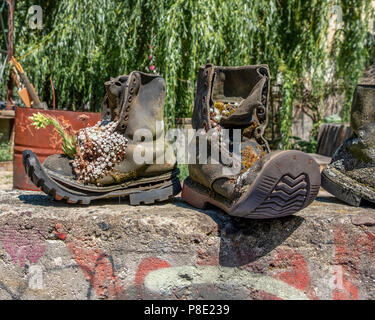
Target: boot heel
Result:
[193, 197]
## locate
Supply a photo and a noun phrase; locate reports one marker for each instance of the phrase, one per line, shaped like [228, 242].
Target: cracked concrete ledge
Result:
[110, 250]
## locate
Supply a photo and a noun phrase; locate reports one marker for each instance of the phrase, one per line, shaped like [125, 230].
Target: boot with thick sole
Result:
[106, 165]
[268, 184]
[350, 176]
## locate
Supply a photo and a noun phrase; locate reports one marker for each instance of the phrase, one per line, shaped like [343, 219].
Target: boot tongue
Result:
[249, 112]
[245, 111]
[115, 89]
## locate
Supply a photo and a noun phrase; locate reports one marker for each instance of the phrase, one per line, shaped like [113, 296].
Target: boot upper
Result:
[248, 89]
[136, 102]
[356, 156]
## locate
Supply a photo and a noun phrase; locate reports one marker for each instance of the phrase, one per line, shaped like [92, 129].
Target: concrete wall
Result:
[172, 251]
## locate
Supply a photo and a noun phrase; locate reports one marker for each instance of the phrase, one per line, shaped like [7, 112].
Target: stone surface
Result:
[6, 179]
[110, 250]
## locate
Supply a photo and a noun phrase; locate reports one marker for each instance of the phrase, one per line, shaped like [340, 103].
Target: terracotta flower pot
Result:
[42, 142]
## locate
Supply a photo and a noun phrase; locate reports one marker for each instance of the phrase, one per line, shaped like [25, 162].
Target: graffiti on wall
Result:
[284, 275]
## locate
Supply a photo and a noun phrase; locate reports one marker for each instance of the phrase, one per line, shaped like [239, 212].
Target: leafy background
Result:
[84, 42]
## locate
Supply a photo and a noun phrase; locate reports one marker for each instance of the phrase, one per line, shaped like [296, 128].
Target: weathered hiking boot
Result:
[266, 184]
[351, 174]
[106, 164]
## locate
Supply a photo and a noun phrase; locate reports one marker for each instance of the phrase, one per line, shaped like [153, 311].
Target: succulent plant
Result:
[99, 149]
[94, 150]
[69, 144]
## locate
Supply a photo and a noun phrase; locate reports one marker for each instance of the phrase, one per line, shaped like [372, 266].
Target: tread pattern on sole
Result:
[264, 187]
[287, 197]
[285, 185]
[35, 172]
[156, 195]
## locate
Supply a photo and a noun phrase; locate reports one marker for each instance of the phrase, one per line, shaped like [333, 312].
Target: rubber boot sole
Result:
[140, 192]
[345, 188]
[287, 183]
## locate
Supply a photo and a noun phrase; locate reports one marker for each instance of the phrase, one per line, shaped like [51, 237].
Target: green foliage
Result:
[6, 152]
[351, 49]
[334, 118]
[69, 144]
[184, 171]
[306, 146]
[85, 42]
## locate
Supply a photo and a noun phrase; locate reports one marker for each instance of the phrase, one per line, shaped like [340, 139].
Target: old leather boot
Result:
[351, 174]
[132, 110]
[266, 184]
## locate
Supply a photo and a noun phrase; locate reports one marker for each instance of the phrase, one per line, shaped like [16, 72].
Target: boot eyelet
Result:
[134, 80]
[127, 109]
[130, 99]
[204, 110]
[123, 126]
[263, 71]
[261, 110]
[131, 90]
[206, 72]
[204, 99]
[126, 118]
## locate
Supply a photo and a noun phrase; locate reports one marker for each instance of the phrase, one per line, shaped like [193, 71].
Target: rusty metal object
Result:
[15, 77]
[43, 142]
[24, 94]
[36, 103]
